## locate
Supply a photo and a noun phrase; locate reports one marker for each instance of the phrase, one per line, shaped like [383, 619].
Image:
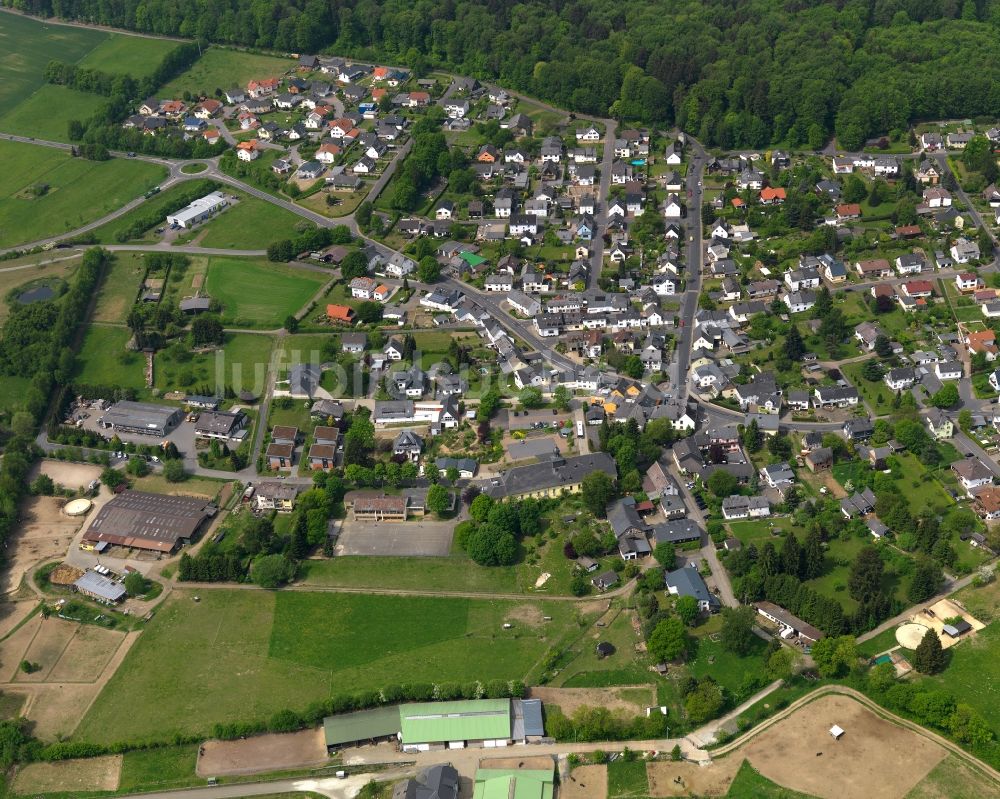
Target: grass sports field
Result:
[220, 68]
[251, 224]
[248, 654]
[27, 45]
[121, 54]
[78, 191]
[259, 293]
[47, 112]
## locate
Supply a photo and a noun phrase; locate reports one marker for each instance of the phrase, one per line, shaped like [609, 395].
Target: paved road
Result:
[601, 211]
[689, 302]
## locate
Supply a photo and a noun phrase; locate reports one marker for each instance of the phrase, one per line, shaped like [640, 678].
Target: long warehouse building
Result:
[152, 522]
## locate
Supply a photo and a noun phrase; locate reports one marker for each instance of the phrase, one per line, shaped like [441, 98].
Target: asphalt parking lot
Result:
[417, 538]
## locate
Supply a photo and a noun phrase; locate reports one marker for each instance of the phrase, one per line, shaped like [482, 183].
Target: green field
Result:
[627, 779]
[965, 677]
[104, 361]
[79, 191]
[121, 54]
[220, 68]
[168, 767]
[12, 392]
[27, 45]
[456, 573]
[238, 655]
[47, 112]
[251, 224]
[241, 364]
[259, 293]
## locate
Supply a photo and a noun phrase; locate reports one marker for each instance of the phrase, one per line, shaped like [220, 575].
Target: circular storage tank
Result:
[78, 507]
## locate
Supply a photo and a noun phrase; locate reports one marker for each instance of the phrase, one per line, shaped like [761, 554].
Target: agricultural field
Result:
[259, 293]
[168, 767]
[120, 288]
[286, 649]
[121, 54]
[251, 224]
[222, 69]
[27, 45]
[13, 281]
[46, 192]
[47, 112]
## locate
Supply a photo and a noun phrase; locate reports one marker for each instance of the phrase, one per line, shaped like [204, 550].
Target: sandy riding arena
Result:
[586, 782]
[45, 534]
[874, 757]
[263, 753]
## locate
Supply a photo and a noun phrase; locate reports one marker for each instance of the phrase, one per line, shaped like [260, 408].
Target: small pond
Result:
[36, 294]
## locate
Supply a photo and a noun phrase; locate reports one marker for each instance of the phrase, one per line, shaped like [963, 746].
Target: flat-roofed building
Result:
[143, 418]
[199, 210]
[152, 522]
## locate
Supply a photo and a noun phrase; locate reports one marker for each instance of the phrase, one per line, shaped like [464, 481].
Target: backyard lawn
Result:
[45, 192]
[251, 224]
[878, 396]
[259, 293]
[287, 649]
[220, 68]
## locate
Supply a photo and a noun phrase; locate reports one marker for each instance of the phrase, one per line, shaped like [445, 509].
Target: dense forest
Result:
[734, 73]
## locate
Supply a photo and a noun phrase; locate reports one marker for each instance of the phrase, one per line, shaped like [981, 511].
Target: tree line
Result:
[736, 74]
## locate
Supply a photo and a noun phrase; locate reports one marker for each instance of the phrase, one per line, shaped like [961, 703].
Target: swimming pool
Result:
[639, 162]
[882, 659]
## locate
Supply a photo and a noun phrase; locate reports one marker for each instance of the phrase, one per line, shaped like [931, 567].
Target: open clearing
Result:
[90, 774]
[121, 54]
[288, 649]
[45, 533]
[220, 68]
[258, 293]
[873, 758]
[78, 191]
[263, 753]
[953, 778]
[27, 45]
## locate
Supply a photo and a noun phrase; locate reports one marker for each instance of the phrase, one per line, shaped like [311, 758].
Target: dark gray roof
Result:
[677, 531]
[550, 474]
[688, 582]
